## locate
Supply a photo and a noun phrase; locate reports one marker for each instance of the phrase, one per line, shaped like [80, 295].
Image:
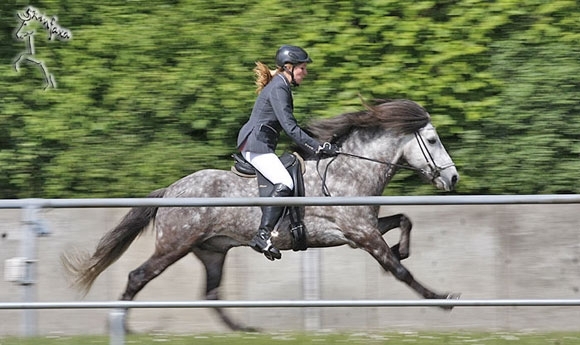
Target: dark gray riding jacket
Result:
[272, 113]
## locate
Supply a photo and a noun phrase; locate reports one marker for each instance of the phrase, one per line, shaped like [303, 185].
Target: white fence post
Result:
[311, 287]
[117, 326]
[28, 283]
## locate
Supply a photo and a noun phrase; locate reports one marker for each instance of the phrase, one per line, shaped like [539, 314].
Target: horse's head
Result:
[21, 32]
[26, 21]
[31, 17]
[387, 131]
[425, 152]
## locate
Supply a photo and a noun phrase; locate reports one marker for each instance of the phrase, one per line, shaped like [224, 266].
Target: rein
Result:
[380, 162]
[325, 190]
[435, 169]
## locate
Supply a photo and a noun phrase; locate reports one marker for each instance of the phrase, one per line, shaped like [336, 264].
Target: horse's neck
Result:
[370, 177]
[30, 44]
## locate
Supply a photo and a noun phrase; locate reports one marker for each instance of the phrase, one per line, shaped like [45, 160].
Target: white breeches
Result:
[269, 165]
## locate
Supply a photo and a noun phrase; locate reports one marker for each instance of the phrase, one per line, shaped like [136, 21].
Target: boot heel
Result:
[273, 254]
[262, 243]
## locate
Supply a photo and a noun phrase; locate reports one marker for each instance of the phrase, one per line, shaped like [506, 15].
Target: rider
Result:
[258, 138]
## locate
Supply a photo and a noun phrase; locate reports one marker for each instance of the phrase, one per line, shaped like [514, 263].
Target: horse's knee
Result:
[405, 222]
[399, 253]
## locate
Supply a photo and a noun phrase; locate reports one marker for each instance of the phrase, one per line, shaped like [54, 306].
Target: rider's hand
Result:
[328, 149]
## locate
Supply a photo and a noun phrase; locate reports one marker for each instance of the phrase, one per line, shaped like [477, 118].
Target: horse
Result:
[31, 14]
[375, 142]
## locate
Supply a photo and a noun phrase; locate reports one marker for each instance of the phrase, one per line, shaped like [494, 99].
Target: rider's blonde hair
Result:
[264, 75]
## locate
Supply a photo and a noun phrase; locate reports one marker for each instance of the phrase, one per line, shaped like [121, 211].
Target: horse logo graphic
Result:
[28, 16]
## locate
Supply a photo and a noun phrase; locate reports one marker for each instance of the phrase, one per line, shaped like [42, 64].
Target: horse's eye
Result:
[432, 141]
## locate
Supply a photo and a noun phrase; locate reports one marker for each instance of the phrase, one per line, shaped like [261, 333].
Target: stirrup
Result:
[265, 246]
[272, 254]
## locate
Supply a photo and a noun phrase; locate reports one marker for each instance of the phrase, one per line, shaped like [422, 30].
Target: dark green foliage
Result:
[151, 91]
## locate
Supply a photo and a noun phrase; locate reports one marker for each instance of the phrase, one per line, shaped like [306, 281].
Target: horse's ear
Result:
[372, 107]
[365, 104]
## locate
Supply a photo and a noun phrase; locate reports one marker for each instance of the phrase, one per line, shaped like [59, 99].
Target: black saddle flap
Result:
[242, 165]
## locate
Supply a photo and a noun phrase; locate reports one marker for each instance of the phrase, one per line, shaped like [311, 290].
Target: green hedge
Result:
[151, 91]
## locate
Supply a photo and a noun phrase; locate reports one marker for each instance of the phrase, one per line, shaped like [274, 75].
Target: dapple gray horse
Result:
[373, 142]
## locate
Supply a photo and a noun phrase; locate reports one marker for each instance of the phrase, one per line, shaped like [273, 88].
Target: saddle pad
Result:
[243, 168]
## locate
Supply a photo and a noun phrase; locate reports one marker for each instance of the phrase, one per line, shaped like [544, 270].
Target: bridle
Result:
[434, 169]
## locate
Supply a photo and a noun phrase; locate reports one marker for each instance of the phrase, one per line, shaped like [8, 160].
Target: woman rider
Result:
[258, 138]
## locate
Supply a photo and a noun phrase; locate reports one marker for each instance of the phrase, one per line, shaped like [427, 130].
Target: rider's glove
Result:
[328, 149]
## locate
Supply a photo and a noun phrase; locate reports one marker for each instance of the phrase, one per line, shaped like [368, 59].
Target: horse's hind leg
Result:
[149, 270]
[401, 250]
[213, 261]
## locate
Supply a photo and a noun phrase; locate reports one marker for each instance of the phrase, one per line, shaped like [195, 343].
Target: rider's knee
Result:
[288, 183]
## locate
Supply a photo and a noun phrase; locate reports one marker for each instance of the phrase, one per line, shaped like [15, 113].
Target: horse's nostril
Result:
[454, 179]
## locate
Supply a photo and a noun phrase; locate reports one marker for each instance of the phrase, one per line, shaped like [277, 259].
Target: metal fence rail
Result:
[298, 304]
[298, 201]
[34, 227]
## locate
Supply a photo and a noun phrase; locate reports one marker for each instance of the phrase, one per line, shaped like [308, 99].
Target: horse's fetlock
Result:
[403, 254]
[401, 273]
[212, 295]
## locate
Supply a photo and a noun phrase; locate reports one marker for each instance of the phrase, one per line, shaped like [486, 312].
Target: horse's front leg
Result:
[402, 249]
[18, 61]
[374, 244]
[213, 261]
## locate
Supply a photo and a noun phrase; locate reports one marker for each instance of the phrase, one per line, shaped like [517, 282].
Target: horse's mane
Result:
[401, 116]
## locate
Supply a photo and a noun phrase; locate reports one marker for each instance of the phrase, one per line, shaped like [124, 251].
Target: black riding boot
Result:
[262, 242]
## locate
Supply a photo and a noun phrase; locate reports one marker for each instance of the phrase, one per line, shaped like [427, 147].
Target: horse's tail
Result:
[84, 268]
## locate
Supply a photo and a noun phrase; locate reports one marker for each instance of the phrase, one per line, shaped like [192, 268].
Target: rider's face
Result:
[300, 72]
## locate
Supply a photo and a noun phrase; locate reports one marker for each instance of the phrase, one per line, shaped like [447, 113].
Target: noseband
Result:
[434, 169]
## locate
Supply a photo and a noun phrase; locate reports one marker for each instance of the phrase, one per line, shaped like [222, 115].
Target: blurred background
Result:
[149, 91]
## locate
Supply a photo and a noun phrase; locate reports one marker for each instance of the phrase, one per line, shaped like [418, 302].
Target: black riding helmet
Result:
[293, 55]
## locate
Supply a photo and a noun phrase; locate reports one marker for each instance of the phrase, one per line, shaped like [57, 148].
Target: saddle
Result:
[295, 166]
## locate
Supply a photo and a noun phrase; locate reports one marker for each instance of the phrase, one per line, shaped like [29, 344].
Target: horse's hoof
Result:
[247, 329]
[450, 296]
[273, 254]
[453, 295]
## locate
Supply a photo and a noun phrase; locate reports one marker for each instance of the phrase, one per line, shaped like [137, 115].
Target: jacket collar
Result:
[281, 75]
